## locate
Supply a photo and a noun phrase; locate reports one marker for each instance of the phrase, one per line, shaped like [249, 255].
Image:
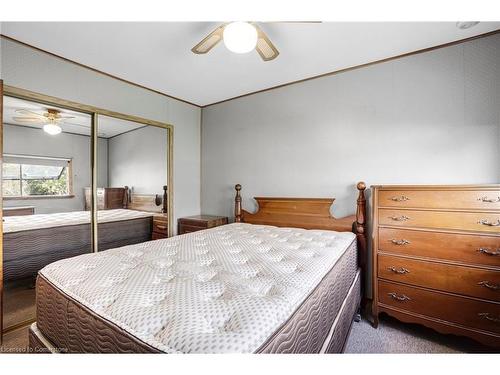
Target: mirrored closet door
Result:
[46, 166]
[76, 179]
[132, 182]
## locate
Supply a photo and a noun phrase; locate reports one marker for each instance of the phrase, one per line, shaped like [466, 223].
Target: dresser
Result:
[19, 211]
[160, 226]
[107, 198]
[199, 222]
[436, 258]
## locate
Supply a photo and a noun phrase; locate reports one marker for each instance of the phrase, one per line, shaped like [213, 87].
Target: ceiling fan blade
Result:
[27, 112]
[65, 117]
[28, 119]
[265, 47]
[210, 41]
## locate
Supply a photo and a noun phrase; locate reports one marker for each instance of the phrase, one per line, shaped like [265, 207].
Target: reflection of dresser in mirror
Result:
[107, 198]
[19, 211]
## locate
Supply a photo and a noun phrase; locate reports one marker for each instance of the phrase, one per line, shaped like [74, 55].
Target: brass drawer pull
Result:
[401, 218]
[487, 284]
[486, 251]
[400, 271]
[400, 242]
[400, 298]
[489, 223]
[490, 318]
[161, 226]
[402, 198]
[489, 200]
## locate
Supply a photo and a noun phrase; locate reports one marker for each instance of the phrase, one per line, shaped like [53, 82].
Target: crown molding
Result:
[429, 49]
[97, 70]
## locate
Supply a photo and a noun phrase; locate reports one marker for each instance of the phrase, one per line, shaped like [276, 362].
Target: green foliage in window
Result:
[47, 187]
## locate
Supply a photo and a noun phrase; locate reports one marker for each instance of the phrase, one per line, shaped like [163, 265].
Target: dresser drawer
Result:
[470, 281]
[463, 248]
[184, 228]
[456, 199]
[18, 211]
[472, 221]
[460, 310]
[160, 225]
[199, 222]
[195, 223]
[158, 236]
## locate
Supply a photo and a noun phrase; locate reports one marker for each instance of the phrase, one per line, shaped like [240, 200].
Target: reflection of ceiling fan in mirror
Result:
[51, 119]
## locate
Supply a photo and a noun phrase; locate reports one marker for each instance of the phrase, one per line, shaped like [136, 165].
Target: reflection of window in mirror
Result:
[132, 168]
[46, 166]
[27, 176]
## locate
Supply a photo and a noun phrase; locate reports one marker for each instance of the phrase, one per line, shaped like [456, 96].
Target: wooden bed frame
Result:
[285, 212]
[146, 202]
[310, 213]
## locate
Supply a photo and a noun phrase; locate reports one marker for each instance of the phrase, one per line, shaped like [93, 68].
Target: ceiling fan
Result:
[239, 37]
[51, 118]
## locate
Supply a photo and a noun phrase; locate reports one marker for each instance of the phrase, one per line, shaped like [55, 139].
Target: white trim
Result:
[35, 157]
[43, 340]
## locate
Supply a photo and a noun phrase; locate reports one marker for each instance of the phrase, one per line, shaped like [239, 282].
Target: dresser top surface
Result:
[437, 187]
[13, 208]
[203, 217]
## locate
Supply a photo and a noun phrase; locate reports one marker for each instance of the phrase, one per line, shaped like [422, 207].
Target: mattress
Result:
[30, 222]
[238, 288]
[25, 252]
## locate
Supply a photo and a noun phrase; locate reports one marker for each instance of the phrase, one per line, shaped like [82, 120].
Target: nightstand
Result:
[199, 222]
[160, 227]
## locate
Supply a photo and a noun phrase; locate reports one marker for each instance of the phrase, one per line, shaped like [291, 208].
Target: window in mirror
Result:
[46, 166]
[26, 176]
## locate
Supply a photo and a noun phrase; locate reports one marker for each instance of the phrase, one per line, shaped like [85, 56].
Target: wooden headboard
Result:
[146, 202]
[308, 213]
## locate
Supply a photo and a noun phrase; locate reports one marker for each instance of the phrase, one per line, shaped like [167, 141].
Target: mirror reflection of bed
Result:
[132, 191]
[46, 192]
[46, 164]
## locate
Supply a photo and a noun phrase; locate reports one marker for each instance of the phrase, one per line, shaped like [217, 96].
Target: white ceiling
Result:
[157, 54]
[81, 123]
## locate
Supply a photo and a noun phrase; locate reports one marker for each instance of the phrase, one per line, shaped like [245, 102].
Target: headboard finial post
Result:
[126, 196]
[237, 204]
[361, 208]
[165, 199]
[360, 230]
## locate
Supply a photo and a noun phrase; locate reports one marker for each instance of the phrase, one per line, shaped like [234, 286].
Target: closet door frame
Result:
[94, 112]
[1, 212]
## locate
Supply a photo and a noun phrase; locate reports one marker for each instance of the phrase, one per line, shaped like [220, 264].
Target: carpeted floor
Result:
[392, 336]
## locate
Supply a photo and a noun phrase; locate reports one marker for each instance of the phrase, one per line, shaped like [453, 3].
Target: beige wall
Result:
[138, 159]
[432, 118]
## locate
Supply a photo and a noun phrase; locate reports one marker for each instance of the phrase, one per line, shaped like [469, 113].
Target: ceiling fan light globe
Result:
[240, 37]
[52, 129]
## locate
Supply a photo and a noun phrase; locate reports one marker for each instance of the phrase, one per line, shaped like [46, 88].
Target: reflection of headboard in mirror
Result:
[146, 202]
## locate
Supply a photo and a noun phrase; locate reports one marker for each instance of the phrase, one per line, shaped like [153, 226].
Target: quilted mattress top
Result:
[59, 219]
[221, 290]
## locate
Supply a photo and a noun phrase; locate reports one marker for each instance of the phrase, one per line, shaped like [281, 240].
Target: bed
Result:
[31, 242]
[287, 279]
